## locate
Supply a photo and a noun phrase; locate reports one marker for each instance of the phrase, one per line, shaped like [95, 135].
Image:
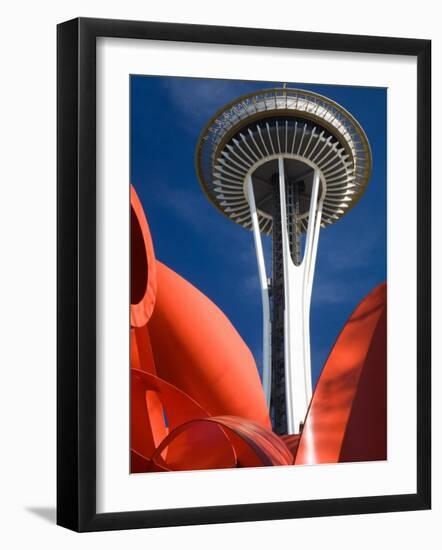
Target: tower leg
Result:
[266, 326]
[298, 281]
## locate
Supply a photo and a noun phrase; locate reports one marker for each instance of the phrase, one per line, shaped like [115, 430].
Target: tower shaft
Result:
[298, 282]
[286, 309]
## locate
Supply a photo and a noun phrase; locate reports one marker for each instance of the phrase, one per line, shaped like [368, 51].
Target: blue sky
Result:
[217, 255]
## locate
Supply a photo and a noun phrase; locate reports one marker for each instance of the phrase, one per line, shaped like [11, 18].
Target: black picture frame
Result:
[76, 274]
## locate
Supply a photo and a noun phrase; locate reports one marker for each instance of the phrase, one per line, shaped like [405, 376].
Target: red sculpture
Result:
[347, 417]
[196, 397]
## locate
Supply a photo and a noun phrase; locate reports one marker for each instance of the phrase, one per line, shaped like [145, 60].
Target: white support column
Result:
[312, 238]
[298, 281]
[266, 325]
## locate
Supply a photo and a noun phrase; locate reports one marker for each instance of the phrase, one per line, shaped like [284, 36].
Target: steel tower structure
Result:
[284, 162]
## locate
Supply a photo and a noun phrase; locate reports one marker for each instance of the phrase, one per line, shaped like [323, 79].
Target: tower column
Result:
[298, 281]
[266, 326]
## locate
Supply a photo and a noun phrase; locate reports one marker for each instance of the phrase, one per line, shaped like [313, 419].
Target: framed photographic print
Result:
[243, 274]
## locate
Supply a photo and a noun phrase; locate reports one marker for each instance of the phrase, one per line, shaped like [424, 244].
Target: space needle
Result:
[284, 162]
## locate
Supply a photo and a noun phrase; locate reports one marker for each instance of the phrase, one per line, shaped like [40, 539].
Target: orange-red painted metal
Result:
[148, 426]
[196, 440]
[196, 397]
[143, 267]
[197, 349]
[346, 420]
[253, 445]
[191, 451]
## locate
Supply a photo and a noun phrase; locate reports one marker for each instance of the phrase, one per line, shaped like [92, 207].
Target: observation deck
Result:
[295, 124]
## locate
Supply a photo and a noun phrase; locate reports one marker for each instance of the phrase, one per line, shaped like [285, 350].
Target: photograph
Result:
[258, 273]
[220, 231]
